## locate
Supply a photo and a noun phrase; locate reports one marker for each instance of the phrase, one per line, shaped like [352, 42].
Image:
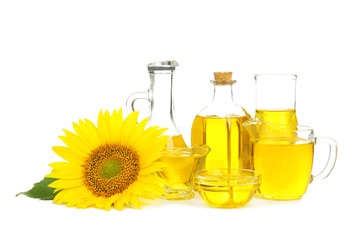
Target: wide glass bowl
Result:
[226, 188]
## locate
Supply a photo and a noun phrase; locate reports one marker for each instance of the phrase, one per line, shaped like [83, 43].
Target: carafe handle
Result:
[329, 166]
[130, 102]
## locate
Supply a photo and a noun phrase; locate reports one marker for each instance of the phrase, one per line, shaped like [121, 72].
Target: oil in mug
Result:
[285, 166]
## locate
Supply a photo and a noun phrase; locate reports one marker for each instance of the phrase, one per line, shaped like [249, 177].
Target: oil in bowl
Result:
[180, 165]
[226, 188]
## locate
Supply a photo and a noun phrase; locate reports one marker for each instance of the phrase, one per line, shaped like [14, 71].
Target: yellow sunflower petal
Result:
[68, 155]
[149, 195]
[149, 187]
[133, 188]
[147, 160]
[109, 201]
[116, 125]
[137, 132]
[104, 127]
[120, 123]
[119, 204]
[66, 183]
[86, 202]
[134, 201]
[78, 199]
[65, 170]
[156, 166]
[148, 136]
[84, 205]
[125, 196]
[100, 202]
[65, 174]
[151, 179]
[155, 146]
[87, 132]
[74, 150]
[91, 134]
[141, 126]
[71, 195]
[65, 165]
[71, 139]
[128, 128]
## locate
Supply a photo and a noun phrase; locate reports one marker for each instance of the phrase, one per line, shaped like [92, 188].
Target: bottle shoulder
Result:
[224, 110]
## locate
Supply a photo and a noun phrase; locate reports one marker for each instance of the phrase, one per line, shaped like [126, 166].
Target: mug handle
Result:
[134, 97]
[329, 166]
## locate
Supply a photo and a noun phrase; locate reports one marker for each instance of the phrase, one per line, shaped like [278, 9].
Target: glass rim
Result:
[208, 177]
[203, 149]
[291, 76]
[299, 128]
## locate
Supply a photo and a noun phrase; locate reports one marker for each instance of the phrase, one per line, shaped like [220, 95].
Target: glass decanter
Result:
[161, 100]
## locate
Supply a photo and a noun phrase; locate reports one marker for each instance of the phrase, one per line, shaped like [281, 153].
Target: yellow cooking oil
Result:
[227, 139]
[286, 117]
[177, 167]
[227, 196]
[229, 144]
[175, 142]
[285, 165]
[180, 164]
[226, 188]
[281, 122]
[176, 174]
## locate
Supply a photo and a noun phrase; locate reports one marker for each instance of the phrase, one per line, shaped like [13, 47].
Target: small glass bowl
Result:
[180, 165]
[226, 188]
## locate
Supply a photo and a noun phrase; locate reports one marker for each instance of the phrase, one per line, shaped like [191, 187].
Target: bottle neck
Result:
[223, 104]
[223, 94]
[162, 102]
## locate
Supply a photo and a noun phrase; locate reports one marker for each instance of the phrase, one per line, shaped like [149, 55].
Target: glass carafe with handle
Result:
[161, 101]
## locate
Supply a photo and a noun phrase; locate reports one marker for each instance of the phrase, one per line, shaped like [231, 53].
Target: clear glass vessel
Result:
[226, 188]
[161, 101]
[181, 163]
[219, 126]
[276, 98]
[285, 159]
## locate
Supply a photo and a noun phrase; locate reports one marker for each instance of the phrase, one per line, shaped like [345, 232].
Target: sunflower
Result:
[109, 165]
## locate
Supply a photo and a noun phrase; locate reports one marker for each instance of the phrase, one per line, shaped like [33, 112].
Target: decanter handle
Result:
[130, 102]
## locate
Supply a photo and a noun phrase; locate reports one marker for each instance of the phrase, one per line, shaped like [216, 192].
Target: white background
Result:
[61, 61]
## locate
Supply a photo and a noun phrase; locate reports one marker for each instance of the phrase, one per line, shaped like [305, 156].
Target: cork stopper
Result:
[223, 78]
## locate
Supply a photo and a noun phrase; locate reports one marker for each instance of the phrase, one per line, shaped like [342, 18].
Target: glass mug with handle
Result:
[284, 158]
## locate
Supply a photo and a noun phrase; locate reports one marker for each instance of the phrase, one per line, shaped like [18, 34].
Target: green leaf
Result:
[41, 190]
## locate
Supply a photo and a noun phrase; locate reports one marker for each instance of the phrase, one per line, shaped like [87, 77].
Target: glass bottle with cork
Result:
[219, 126]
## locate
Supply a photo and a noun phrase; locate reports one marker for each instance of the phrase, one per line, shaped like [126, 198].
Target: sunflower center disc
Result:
[110, 169]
